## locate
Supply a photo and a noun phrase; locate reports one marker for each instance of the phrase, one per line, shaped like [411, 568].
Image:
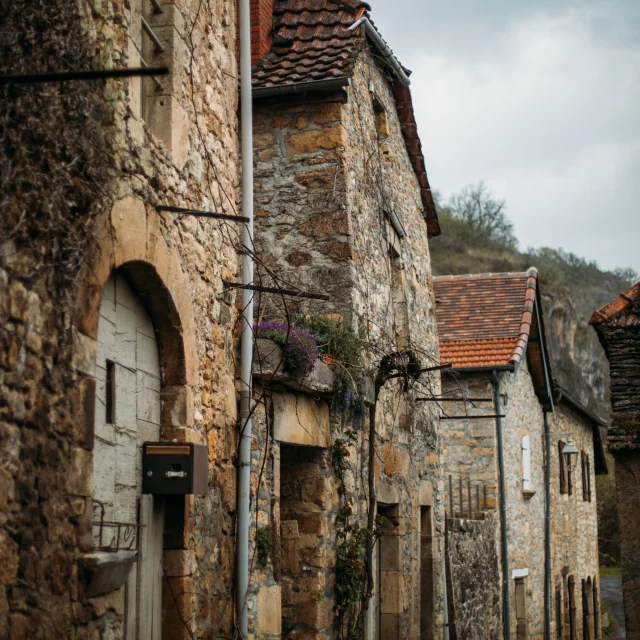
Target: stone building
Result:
[575, 598]
[618, 327]
[115, 326]
[492, 333]
[343, 208]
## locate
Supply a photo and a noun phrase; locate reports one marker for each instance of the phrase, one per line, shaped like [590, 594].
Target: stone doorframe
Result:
[131, 241]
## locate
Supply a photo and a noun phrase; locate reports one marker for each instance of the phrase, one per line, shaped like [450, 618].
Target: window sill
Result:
[528, 494]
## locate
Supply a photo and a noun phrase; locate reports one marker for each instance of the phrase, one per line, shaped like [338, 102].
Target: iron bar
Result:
[284, 292]
[440, 367]
[157, 5]
[202, 214]
[152, 34]
[446, 399]
[488, 417]
[64, 76]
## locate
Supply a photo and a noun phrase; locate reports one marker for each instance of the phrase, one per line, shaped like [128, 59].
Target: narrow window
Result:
[426, 574]
[110, 392]
[563, 473]
[588, 477]
[522, 632]
[382, 120]
[526, 464]
[585, 612]
[559, 612]
[596, 609]
[398, 301]
[572, 608]
[583, 464]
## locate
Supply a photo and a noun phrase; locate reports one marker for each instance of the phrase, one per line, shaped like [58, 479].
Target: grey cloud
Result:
[538, 98]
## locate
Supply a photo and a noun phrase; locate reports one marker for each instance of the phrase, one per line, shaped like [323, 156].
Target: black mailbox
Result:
[174, 468]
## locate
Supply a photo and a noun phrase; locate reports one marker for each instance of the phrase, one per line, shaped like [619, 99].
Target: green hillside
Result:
[477, 237]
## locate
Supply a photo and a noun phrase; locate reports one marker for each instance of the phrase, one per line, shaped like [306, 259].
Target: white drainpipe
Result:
[246, 344]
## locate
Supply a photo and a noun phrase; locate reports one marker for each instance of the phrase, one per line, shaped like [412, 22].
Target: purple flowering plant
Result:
[298, 344]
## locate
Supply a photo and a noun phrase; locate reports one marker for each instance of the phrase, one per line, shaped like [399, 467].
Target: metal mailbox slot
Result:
[174, 468]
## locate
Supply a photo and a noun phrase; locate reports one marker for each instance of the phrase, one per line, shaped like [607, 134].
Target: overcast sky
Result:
[541, 100]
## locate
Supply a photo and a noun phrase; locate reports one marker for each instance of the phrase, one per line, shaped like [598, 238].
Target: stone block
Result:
[103, 572]
[177, 406]
[316, 140]
[84, 354]
[301, 420]
[327, 112]
[316, 615]
[394, 594]
[79, 474]
[269, 615]
[179, 562]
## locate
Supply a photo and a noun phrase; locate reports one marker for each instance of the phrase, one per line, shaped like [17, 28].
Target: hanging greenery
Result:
[299, 346]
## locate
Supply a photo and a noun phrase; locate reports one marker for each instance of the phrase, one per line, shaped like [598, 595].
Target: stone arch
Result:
[130, 243]
[131, 240]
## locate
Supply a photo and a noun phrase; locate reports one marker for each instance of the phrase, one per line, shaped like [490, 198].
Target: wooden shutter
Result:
[588, 461]
[526, 464]
[583, 464]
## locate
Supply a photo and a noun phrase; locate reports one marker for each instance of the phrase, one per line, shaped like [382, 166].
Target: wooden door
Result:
[128, 379]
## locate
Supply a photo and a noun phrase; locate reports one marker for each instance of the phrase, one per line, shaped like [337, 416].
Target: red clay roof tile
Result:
[484, 320]
[312, 42]
[616, 310]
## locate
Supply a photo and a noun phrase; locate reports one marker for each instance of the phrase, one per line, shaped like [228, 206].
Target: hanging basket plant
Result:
[298, 345]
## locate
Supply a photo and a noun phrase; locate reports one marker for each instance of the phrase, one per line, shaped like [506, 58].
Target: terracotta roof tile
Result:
[616, 310]
[312, 42]
[484, 320]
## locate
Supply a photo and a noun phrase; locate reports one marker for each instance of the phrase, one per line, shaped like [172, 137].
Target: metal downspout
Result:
[246, 343]
[547, 528]
[506, 598]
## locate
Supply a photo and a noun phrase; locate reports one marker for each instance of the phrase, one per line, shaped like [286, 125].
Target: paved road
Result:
[611, 594]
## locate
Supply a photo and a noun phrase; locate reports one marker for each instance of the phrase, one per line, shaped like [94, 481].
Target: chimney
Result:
[261, 28]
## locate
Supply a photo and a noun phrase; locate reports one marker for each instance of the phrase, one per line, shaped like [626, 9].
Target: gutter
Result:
[547, 528]
[392, 61]
[511, 368]
[246, 342]
[506, 597]
[332, 84]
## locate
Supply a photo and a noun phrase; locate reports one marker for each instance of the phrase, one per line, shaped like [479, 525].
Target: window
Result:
[572, 609]
[426, 574]
[526, 464]
[154, 40]
[596, 609]
[398, 301]
[566, 481]
[586, 476]
[559, 612]
[382, 120]
[522, 631]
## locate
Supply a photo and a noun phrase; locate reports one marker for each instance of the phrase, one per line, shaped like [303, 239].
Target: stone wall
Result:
[174, 264]
[327, 179]
[622, 339]
[574, 521]
[474, 584]
[525, 510]
[469, 446]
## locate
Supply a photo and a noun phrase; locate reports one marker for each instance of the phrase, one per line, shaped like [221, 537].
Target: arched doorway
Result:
[128, 413]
